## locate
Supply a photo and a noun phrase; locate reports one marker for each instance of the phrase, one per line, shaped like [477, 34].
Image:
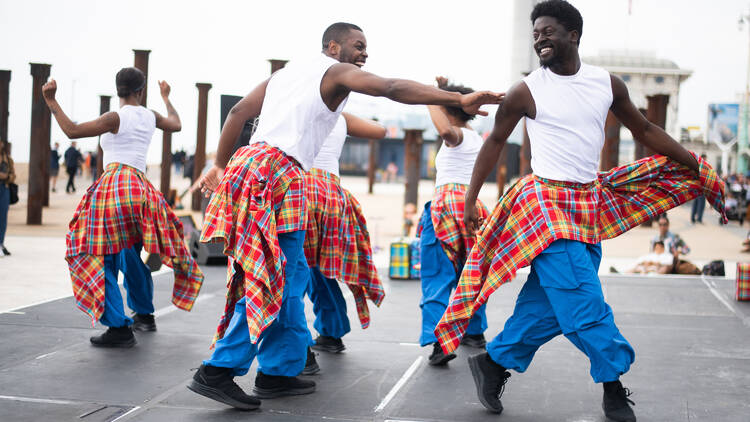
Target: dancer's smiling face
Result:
[352, 49]
[552, 42]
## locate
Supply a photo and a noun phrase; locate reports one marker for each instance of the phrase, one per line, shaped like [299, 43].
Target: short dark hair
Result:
[662, 217]
[458, 112]
[129, 80]
[659, 242]
[337, 31]
[565, 13]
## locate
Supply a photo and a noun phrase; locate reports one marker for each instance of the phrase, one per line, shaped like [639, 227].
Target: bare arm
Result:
[518, 103]
[363, 128]
[171, 123]
[107, 122]
[645, 132]
[247, 108]
[451, 135]
[344, 77]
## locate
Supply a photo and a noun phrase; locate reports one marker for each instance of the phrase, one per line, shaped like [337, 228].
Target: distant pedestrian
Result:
[7, 176]
[73, 159]
[54, 165]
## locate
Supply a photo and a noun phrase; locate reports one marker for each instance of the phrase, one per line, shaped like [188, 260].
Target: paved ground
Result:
[692, 343]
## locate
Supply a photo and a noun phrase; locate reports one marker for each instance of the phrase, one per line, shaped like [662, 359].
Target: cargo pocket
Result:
[556, 267]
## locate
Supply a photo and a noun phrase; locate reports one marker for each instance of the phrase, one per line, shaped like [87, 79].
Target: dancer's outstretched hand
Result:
[209, 181]
[471, 102]
[164, 88]
[49, 89]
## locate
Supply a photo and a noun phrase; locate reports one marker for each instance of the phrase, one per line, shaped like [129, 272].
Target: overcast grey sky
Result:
[227, 43]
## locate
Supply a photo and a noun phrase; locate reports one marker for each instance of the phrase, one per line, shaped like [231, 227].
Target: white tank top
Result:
[455, 164]
[130, 144]
[294, 117]
[328, 157]
[567, 134]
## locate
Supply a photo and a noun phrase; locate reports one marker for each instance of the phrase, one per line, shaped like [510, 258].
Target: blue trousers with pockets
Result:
[282, 347]
[137, 282]
[563, 295]
[439, 279]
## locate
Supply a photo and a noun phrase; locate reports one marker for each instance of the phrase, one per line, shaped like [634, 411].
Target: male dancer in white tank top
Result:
[444, 241]
[565, 104]
[258, 210]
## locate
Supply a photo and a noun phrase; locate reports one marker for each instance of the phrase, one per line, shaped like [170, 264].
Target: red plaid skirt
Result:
[536, 212]
[447, 214]
[121, 209]
[337, 240]
[260, 196]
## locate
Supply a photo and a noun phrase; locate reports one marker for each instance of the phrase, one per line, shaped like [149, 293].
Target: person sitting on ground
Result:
[659, 261]
[675, 246]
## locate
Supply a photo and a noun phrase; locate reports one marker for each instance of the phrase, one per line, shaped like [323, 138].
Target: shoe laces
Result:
[624, 393]
[501, 386]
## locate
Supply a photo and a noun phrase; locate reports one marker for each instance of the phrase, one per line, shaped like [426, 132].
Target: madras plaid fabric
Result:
[743, 281]
[399, 262]
[447, 214]
[536, 212]
[119, 210]
[261, 194]
[364, 281]
[337, 240]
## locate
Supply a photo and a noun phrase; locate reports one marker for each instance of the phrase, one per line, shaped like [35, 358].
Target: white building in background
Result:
[646, 75]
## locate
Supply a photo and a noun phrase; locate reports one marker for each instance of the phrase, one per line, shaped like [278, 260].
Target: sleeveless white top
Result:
[455, 164]
[130, 144]
[567, 135]
[294, 117]
[328, 157]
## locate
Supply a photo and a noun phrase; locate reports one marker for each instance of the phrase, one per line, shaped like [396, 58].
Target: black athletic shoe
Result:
[5, 251]
[144, 322]
[437, 357]
[114, 337]
[328, 344]
[490, 379]
[616, 403]
[218, 384]
[271, 386]
[474, 340]
[311, 365]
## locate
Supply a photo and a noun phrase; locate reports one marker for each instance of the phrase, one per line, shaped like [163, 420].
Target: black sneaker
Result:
[114, 337]
[271, 386]
[328, 344]
[143, 322]
[616, 403]
[474, 340]
[311, 365]
[218, 384]
[5, 251]
[490, 379]
[437, 357]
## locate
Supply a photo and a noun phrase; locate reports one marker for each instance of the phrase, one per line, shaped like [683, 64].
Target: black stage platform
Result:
[692, 364]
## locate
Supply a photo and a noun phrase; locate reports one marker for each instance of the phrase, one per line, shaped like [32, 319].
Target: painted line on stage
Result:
[171, 308]
[391, 394]
[36, 400]
[712, 288]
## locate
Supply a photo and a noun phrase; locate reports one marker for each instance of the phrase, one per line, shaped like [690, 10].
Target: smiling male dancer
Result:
[555, 219]
[258, 210]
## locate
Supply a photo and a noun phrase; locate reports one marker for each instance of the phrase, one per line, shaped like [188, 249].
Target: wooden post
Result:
[103, 108]
[200, 146]
[4, 101]
[166, 163]
[412, 158]
[372, 163]
[141, 63]
[277, 64]
[611, 148]
[39, 115]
